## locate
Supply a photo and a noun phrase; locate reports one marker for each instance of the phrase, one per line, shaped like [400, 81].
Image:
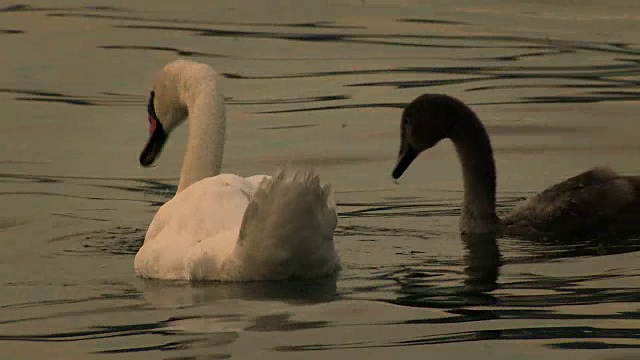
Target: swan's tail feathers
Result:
[288, 226]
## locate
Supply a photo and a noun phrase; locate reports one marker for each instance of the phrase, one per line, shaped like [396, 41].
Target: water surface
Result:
[323, 84]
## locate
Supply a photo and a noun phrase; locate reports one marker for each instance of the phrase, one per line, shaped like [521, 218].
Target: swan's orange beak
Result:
[157, 137]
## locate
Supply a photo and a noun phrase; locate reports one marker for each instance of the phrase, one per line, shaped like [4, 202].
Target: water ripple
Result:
[517, 334]
[104, 99]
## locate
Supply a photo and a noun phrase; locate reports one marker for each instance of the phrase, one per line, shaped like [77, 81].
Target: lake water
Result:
[320, 83]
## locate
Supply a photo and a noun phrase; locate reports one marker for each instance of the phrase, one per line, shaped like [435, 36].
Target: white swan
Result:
[596, 200]
[222, 226]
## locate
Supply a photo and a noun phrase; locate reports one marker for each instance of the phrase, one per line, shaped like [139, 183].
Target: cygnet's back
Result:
[598, 199]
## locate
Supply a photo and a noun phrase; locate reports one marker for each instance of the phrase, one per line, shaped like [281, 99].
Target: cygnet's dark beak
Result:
[405, 158]
[157, 137]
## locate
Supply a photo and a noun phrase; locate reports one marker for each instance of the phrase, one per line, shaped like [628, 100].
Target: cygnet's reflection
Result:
[430, 285]
[482, 262]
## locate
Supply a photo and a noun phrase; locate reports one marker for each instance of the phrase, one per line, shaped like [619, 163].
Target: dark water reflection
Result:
[545, 333]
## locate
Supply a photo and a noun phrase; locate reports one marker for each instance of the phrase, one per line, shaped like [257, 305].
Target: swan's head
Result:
[166, 109]
[425, 121]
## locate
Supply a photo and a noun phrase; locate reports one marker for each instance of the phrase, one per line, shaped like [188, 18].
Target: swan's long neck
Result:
[474, 150]
[207, 124]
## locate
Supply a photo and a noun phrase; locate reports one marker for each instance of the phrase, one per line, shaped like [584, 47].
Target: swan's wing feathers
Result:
[635, 182]
[591, 177]
[290, 199]
[585, 199]
[287, 228]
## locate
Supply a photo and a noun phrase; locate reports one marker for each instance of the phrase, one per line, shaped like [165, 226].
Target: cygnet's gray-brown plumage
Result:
[598, 199]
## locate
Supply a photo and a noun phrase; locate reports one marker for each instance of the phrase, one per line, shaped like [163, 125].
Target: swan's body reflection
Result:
[161, 293]
[224, 320]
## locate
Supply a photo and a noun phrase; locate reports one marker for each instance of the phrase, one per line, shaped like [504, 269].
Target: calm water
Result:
[321, 83]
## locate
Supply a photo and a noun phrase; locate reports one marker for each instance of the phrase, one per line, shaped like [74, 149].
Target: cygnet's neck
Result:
[207, 124]
[474, 150]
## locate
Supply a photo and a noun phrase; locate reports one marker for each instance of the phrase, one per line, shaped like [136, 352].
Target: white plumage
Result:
[223, 226]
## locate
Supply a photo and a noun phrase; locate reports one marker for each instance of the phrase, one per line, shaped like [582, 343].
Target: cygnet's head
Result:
[173, 87]
[425, 121]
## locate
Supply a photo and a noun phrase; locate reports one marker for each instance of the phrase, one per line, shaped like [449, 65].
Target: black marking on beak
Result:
[157, 136]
